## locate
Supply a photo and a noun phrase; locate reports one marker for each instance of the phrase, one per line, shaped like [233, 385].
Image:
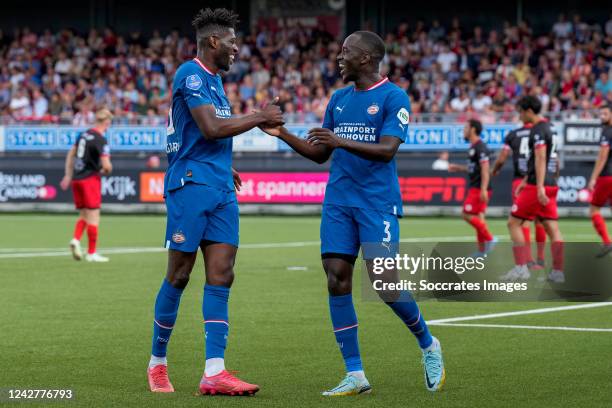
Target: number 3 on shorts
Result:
[387, 237]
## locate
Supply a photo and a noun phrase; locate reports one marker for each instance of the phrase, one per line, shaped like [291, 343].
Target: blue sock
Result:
[407, 309]
[166, 308]
[216, 323]
[344, 321]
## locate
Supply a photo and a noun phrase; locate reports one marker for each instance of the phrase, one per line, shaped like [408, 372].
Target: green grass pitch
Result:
[87, 327]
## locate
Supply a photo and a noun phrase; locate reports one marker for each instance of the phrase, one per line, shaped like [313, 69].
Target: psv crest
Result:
[178, 237]
[373, 109]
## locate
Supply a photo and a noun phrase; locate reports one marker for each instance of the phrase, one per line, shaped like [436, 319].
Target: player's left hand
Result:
[484, 196]
[237, 179]
[65, 183]
[542, 197]
[325, 137]
[591, 185]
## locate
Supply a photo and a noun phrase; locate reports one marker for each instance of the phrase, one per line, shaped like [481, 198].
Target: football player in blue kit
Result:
[202, 211]
[364, 125]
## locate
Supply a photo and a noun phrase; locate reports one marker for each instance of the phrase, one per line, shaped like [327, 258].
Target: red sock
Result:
[481, 241]
[600, 226]
[79, 227]
[481, 228]
[556, 249]
[527, 236]
[519, 254]
[541, 240]
[92, 236]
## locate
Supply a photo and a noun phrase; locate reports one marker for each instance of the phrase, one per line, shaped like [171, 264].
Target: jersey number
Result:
[387, 237]
[81, 148]
[524, 147]
[553, 149]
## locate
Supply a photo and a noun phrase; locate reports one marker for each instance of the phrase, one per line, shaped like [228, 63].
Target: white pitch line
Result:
[520, 326]
[51, 252]
[520, 312]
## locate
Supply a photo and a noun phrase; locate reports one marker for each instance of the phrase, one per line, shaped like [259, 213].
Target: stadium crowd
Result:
[62, 77]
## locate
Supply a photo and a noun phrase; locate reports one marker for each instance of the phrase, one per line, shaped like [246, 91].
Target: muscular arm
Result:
[384, 151]
[213, 127]
[501, 159]
[317, 153]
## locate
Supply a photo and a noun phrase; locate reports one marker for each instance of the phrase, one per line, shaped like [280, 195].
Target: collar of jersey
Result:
[201, 64]
[383, 81]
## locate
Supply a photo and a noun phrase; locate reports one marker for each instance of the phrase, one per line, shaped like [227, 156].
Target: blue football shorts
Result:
[196, 213]
[345, 229]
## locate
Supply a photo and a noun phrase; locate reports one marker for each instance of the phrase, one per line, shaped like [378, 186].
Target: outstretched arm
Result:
[213, 127]
[317, 153]
[384, 151]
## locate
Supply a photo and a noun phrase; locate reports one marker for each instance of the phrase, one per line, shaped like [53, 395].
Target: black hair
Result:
[606, 105]
[209, 22]
[476, 125]
[530, 102]
[372, 44]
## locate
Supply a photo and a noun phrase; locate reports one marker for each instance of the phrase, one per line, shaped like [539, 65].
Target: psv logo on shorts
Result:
[178, 237]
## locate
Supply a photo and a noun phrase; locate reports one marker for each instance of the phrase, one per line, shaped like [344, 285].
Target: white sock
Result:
[358, 374]
[157, 361]
[435, 344]
[214, 366]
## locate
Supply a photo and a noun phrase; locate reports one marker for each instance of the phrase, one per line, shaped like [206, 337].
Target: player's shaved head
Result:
[372, 44]
[209, 22]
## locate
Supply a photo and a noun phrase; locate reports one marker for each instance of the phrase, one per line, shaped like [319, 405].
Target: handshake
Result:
[271, 117]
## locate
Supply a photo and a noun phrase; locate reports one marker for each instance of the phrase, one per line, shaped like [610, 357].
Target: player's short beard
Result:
[223, 60]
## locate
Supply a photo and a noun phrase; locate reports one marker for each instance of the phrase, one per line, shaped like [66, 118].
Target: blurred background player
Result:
[516, 143]
[202, 211]
[85, 161]
[600, 183]
[537, 194]
[479, 193]
[364, 125]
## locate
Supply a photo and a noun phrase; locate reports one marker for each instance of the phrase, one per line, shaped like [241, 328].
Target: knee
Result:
[179, 280]
[593, 210]
[511, 223]
[220, 273]
[337, 284]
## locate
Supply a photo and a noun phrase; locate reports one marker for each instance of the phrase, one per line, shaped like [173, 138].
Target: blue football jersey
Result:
[365, 116]
[192, 158]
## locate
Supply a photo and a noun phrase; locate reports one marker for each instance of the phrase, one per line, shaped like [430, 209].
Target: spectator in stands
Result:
[40, 105]
[20, 104]
[445, 69]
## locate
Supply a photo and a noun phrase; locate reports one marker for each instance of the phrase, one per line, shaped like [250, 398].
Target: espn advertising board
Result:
[419, 187]
[421, 137]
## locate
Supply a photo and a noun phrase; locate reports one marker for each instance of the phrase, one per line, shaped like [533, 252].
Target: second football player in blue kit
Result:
[364, 125]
